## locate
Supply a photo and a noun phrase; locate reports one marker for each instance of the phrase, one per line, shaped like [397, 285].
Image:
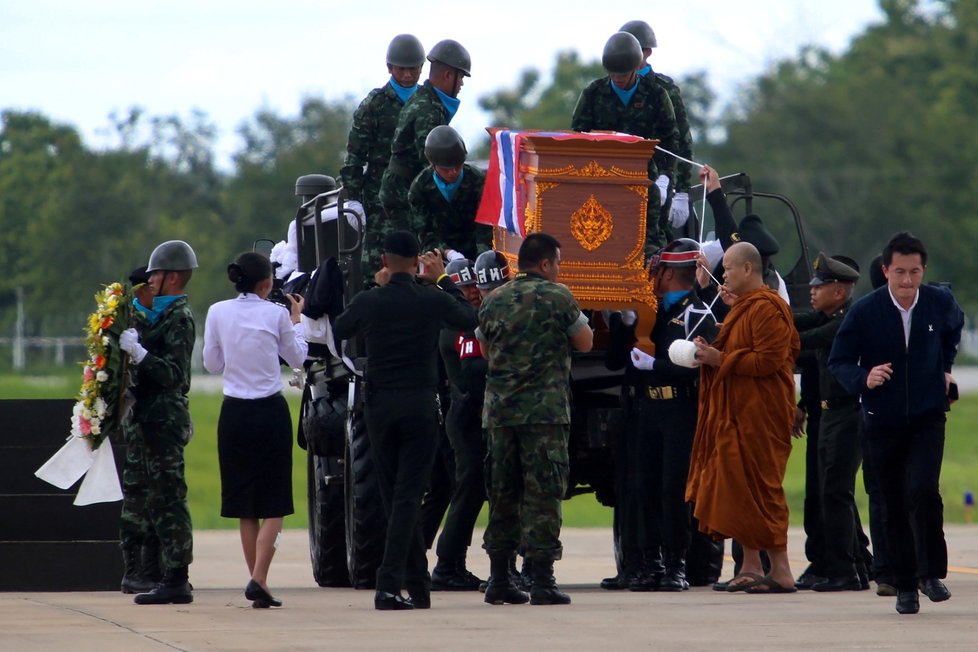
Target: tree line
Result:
[879, 138]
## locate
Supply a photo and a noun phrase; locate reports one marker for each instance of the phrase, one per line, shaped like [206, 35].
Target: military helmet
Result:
[642, 31]
[679, 253]
[172, 256]
[451, 53]
[491, 270]
[444, 147]
[405, 51]
[622, 54]
[461, 271]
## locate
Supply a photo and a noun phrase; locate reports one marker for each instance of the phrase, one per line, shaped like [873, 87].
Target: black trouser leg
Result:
[838, 461]
[402, 425]
[675, 430]
[470, 489]
[814, 534]
[877, 513]
[440, 487]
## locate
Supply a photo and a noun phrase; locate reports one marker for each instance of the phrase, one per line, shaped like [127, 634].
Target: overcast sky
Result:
[77, 62]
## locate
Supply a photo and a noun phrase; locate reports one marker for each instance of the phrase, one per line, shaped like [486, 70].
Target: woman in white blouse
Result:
[244, 339]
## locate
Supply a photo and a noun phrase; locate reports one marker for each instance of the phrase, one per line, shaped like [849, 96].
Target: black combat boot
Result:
[525, 574]
[133, 581]
[172, 589]
[675, 576]
[514, 575]
[629, 569]
[650, 572]
[453, 576]
[545, 589]
[152, 563]
[502, 589]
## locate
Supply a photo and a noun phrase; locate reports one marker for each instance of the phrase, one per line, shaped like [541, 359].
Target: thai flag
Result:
[500, 205]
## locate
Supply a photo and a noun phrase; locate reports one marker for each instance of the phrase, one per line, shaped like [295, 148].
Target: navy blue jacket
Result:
[872, 334]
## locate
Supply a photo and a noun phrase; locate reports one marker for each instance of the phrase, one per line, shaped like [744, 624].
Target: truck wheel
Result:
[365, 522]
[327, 530]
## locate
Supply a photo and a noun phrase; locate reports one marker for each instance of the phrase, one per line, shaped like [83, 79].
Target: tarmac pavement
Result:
[315, 618]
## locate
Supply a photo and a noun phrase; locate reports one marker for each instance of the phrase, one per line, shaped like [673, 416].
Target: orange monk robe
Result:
[743, 436]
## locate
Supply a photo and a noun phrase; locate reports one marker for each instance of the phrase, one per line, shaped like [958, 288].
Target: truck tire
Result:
[365, 522]
[327, 528]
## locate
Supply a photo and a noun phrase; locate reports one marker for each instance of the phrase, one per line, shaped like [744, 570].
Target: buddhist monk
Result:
[743, 437]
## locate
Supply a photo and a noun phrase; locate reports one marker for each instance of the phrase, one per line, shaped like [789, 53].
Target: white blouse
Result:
[244, 338]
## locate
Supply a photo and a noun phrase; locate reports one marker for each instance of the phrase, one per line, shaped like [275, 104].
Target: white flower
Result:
[76, 414]
[101, 376]
[86, 413]
[105, 340]
[100, 407]
[96, 427]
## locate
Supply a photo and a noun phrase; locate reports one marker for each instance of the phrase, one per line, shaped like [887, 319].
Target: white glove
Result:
[679, 211]
[642, 360]
[628, 317]
[451, 255]
[662, 183]
[129, 342]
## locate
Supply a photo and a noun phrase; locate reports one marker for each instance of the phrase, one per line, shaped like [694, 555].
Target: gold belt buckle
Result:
[660, 393]
[825, 405]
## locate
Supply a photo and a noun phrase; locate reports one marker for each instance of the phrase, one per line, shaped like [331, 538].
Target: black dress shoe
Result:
[907, 602]
[616, 583]
[934, 589]
[839, 584]
[384, 601]
[257, 594]
[420, 599]
[807, 581]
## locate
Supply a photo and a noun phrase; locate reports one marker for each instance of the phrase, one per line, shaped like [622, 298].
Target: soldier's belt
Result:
[837, 403]
[667, 392]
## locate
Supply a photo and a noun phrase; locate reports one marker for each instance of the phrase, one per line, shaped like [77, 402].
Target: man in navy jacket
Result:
[895, 349]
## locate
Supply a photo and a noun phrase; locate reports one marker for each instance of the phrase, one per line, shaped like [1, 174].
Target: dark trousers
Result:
[813, 506]
[907, 460]
[469, 447]
[652, 466]
[441, 484]
[402, 425]
[880, 569]
[839, 455]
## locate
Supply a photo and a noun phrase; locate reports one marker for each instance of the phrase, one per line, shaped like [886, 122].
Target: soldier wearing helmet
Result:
[653, 450]
[491, 271]
[627, 102]
[435, 103]
[678, 206]
[445, 196]
[160, 348]
[368, 147]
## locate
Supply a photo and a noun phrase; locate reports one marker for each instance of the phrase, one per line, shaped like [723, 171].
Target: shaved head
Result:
[745, 252]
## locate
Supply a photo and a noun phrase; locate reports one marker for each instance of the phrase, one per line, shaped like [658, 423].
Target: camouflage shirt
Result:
[422, 113]
[525, 328]
[162, 406]
[649, 114]
[449, 224]
[684, 172]
[369, 144]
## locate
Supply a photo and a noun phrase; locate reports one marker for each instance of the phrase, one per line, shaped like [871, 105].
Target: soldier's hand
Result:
[296, 303]
[703, 271]
[798, 426]
[382, 275]
[433, 264]
[709, 178]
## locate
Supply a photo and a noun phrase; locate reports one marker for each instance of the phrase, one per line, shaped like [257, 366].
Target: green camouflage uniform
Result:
[162, 414]
[135, 529]
[684, 171]
[449, 225]
[525, 326]
[422, 113]
[649, 114]
[369, 144]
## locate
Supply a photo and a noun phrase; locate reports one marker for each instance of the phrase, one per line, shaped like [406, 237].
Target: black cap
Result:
[139, 275]
[832, 270]
[876, 276]
[752, 230]
[401, 243]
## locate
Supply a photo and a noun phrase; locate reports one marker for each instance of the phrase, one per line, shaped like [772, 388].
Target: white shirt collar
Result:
[897, 303]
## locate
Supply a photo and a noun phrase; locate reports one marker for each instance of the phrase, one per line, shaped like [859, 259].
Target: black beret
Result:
[752, 230]
[832, 270]
[402, 243]
[139, 275]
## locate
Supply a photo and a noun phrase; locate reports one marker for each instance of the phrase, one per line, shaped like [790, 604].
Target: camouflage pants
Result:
[135, 528]
[526, 478]
[161, 462]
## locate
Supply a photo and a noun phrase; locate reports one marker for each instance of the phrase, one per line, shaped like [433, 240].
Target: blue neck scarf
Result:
[403, 93]
[448, 190]
[669, 299]
[160, 304]
[450, 103]
[624, 96]
[645, 70]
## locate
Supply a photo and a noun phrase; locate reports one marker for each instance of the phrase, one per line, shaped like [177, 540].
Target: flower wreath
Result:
[99, 410]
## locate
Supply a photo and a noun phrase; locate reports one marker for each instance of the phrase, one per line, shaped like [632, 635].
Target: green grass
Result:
[960, 470]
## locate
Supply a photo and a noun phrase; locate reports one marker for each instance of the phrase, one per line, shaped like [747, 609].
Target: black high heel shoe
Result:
[261, 599]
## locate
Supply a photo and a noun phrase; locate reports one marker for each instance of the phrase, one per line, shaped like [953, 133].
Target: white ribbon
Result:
[76, 459]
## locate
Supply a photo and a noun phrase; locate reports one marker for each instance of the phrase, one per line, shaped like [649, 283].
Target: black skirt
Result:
[254, 448]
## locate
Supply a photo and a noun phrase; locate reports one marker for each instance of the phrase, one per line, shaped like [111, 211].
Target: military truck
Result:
[346, 521]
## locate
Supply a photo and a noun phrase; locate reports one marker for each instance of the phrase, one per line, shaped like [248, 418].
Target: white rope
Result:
[684, 160]
[709, 311]
[699, 165]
